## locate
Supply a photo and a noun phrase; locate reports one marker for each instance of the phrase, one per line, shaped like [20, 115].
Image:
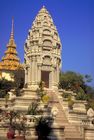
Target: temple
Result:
[68, 117]
[42, 52]
[10, 61]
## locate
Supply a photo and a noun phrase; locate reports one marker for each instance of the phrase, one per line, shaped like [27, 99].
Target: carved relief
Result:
[47, 60]
[46, 31]
[55, 35]
[47, 43]
[46, 68]
[45, 23]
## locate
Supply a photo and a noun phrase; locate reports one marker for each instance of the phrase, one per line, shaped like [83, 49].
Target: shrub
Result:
[70, 102]
[81, 96]
[33, 109]
[2, 93]
[65, 95]
[43, 128]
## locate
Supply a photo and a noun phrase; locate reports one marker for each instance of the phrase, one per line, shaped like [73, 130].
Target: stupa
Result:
[42, 61]
[42, 52]
[10, 61]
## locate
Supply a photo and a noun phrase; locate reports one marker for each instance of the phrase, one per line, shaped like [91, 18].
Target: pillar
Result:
[32, 67]
[30, 70]
[39, 73]
[26, 75]
[36, 71]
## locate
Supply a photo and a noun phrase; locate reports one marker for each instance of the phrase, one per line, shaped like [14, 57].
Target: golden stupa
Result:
[10, 60]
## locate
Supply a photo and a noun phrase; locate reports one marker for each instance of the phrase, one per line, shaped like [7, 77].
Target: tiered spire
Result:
[42, 54]
[43, 29]
[10, 60]
[12, 29]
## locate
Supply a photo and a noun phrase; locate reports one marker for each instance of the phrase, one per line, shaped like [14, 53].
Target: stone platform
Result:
[67, 125]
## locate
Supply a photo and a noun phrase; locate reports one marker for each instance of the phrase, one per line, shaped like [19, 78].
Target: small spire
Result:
[11, 40]
[12, 28]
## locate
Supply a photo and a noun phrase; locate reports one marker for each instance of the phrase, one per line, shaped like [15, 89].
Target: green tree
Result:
[79, 84]
[75, 81]
[71, 80]
[5, 86]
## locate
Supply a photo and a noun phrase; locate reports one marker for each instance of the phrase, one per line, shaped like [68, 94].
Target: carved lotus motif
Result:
[90, 112]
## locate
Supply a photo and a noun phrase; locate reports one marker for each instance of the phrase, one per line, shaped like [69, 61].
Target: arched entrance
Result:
[45, 78]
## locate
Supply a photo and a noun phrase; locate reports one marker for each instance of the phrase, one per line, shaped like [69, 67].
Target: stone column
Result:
[30, 70]
[39, 73]
[33, 71]
[26, 75]
[53, 76]
[57, 79]
[36, 71]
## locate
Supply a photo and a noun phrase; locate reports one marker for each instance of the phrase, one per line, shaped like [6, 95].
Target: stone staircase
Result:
[22, 102]
[62, 129]
[71, 131]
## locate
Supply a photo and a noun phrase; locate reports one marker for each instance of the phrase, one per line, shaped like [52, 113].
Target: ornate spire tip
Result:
[12, 29]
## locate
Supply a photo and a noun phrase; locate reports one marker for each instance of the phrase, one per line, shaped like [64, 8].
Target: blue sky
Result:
[74, 20]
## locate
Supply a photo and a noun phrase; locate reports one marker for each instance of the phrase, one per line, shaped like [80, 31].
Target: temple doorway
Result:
[45, 78]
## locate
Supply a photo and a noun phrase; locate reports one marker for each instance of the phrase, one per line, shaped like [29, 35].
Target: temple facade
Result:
[42, 52]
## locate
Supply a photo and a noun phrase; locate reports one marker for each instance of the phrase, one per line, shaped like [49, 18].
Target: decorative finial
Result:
[43, 6]
[12, 28]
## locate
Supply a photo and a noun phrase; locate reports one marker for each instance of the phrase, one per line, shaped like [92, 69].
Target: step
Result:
[74, 139]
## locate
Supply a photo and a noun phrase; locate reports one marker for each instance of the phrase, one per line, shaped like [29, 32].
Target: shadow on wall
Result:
[19, 77]
[44, 129]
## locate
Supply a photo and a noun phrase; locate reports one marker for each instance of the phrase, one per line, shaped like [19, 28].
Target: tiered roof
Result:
[10, 60]
[43, 34]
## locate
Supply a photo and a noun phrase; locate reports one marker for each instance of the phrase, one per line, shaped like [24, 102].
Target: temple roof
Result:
[10, 60]
[43, 34]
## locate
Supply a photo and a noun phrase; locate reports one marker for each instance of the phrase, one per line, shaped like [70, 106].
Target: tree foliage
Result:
[5, 86]
[78, 83]
[75, 82]
[43, 128]
[17, 84]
